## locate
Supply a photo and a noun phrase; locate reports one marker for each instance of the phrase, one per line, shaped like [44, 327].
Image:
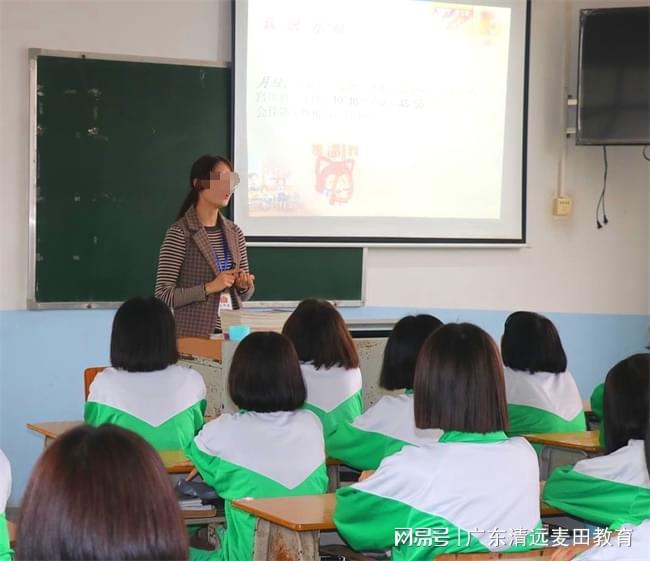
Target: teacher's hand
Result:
[244, 280]
[223, 280]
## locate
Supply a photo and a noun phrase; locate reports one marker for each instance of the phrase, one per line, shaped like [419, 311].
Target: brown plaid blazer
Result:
[201, 318]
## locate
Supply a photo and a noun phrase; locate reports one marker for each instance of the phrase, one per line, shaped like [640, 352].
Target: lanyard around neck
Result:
[225, 263]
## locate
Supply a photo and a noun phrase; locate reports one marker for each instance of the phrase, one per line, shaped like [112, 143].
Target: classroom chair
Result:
[89, 376]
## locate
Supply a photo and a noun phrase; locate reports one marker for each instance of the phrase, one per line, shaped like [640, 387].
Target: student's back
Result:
[165, 407]
[272, 448]
[146, 391]
[5, 490]
[333, 394]
[389, 425]
[473, 478]
[542, 394]
[633, 541]
[615, 488]
[329, 362]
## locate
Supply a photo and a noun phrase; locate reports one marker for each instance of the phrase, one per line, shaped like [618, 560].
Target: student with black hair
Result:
[470, 484]
[271, 448]
[5, 491]
[145, 390]
[542, 394]
[615, 488]
[203, 263]
[328, 360]
[100, 494]
[389, 425]
[632, 543]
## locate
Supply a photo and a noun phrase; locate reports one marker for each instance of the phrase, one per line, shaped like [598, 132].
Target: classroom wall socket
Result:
[562, 206]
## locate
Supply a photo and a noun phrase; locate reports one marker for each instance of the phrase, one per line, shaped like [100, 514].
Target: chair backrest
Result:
[89, 376]
[536, 554]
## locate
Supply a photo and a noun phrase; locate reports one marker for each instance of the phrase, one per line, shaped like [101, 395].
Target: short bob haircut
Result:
[459, 383]
[402, 348]
[647, 446]
[100, 494]
[531, 343]
[626, 401]
[265, 374]
[320, 336]
[144, 336]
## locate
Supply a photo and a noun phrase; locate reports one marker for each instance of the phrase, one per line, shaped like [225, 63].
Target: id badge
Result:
[225, 300]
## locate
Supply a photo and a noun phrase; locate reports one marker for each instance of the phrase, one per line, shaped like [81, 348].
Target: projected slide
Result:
[387, 109]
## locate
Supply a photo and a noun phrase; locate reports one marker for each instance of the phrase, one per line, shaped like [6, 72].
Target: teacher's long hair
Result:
[200, 170]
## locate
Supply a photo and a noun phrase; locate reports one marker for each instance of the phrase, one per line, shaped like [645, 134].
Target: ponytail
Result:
[190, 201]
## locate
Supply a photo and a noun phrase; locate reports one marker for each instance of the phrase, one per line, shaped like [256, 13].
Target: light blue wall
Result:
[44, 355]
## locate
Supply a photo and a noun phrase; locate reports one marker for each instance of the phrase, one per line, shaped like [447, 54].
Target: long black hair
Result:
[201, 169]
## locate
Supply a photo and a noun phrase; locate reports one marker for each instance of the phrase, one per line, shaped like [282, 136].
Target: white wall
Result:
[569, 266]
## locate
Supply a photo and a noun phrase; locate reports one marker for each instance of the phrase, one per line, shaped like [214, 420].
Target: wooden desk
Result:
[174, 461]
[53, 429]
[202, 347]
[287, 525]
[587, 441]
[301, 514]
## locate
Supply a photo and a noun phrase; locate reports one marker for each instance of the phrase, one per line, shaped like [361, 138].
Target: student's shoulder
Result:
[5, 466]
[387, 407]
[520, 446]
[5, 480]
[191, 379]
[308, 418]
[107, 376]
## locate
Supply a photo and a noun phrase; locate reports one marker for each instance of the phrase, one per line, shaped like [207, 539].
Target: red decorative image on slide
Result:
[334, 172]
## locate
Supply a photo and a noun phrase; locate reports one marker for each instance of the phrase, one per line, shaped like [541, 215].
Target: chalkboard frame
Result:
[33, 55]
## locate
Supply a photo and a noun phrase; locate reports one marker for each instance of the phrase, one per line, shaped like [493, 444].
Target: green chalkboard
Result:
[294, 273]
[114, 143]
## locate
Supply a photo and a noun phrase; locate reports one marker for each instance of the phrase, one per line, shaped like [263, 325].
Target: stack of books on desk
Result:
[272, 320]
[194, 504]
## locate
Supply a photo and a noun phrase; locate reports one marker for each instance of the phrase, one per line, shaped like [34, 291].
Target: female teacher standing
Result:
[203, 264]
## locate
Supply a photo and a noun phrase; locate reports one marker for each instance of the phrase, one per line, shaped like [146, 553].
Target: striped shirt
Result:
[172, 255]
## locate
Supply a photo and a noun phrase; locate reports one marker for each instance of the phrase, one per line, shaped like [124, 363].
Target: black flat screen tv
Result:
[614, 76]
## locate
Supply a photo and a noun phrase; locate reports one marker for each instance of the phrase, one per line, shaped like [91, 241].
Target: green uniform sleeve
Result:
[597, 397]
[366, 521]
[6, 552]
[359, 448]
[596, 500]
[208, 466]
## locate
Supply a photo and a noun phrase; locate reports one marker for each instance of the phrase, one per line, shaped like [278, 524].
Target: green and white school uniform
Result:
[381, 431]
[610, 490]
[165, 407]
[597, 401]
[620, 549]
[333, 394]
[465, 493]
[598, 409]
[5, 491]
[543, 402]
[258, 455]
